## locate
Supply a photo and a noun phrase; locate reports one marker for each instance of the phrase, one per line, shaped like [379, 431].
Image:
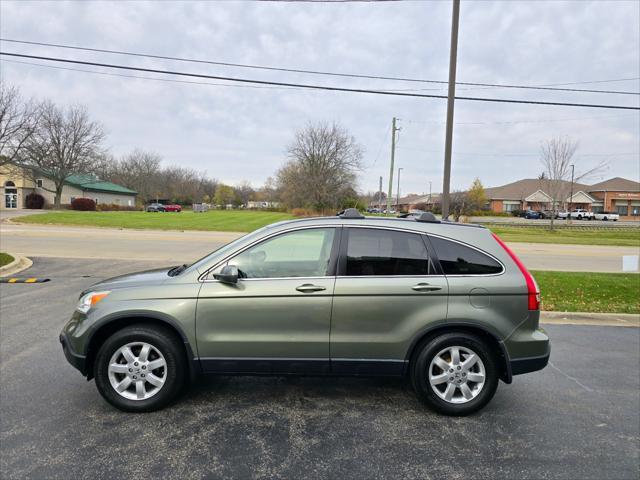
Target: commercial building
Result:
[619, 195]
[16, 183]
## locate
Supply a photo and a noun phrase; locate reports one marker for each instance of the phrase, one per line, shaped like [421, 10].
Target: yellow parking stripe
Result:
[13, 280]
[30, 280]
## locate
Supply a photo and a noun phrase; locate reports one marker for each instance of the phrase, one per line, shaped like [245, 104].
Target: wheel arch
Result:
[495, 344]
[108, 326]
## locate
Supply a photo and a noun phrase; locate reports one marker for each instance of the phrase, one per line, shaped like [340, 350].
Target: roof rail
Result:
[427, 217]
[350, 213]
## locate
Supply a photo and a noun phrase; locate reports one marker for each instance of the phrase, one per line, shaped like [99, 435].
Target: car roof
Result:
[386, 222]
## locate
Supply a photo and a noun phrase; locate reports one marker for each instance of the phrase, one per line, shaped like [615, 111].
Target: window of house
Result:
[303, 253]
[39, 183]
[386, 252]
[458, 259]
[635, 210]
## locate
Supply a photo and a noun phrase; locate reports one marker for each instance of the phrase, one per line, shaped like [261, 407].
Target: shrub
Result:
[34, 200]
[83, 204]
[114, 207]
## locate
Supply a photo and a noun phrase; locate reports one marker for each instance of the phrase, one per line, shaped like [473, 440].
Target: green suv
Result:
[447, 305]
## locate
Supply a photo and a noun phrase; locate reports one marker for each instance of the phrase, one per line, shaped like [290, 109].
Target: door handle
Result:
[308, 287]
[425, 287]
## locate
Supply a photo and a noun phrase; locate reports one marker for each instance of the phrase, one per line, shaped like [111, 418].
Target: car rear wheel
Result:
[454, 374]
[140, 368]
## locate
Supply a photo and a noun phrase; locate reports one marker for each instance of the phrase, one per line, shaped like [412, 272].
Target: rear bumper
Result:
[530, 364]
[75, 359]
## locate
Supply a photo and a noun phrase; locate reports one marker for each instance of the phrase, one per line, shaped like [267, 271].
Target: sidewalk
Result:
[586, 318]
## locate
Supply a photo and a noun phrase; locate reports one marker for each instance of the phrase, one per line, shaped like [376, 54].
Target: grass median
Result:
[589, 292]
[629, 237]
[214, 220]
[5, 259]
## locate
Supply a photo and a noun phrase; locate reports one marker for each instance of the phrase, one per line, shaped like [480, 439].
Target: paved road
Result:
[180, 247]
[578, 418]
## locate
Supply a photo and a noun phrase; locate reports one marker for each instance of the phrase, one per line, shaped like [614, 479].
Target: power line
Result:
[314, 87]
[170, 80]
[333, 74]
[418, 122]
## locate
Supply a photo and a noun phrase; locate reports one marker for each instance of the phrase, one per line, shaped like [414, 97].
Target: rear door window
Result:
[385, 252]
[458, 259]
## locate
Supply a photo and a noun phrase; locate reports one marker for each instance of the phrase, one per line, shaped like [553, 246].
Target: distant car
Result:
[548, 214]
[173, 207]
[581, 214]
[155, 207]
[532, 214]
[606, 216]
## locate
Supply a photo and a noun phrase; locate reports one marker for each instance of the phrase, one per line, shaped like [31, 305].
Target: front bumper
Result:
[75, 359]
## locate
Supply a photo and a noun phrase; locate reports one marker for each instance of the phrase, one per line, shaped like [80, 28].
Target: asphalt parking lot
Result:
[578, 418]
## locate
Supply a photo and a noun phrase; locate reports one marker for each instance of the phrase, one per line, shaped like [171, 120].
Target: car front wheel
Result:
[455, 374]
[140, 368]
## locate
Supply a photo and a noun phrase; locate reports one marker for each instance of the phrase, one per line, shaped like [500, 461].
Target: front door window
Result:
[303, 253]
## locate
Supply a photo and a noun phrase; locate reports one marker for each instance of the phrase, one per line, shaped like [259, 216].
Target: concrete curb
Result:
[19, 264]
[587, 318]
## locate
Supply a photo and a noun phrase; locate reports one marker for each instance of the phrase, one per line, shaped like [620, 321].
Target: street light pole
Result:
[453, 55]
[398, 191]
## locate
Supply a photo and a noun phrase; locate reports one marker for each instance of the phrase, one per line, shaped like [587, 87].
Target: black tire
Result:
[170, 348]
[420, 373]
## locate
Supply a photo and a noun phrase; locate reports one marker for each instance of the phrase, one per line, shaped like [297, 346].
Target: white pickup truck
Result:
[606, 216]
[578, 214]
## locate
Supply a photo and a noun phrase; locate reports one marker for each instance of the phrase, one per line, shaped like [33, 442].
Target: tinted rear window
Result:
[457, 259]
[385, 252]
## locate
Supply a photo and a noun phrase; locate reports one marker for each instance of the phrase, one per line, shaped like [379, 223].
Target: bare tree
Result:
[17, 123]
[320, 173]
[556, 157]
[244, 192]
[65, 142]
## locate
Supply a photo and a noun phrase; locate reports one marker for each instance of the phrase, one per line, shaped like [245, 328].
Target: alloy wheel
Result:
[137, 371]
[457, 374]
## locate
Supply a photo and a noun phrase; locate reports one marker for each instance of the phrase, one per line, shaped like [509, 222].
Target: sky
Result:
[238, 132]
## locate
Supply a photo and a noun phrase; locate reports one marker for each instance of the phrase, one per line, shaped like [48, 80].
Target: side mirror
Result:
[228, 274]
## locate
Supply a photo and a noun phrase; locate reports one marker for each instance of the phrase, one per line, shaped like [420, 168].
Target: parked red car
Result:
[172, 208]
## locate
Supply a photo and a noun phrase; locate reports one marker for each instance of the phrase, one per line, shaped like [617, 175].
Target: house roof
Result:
[616, 184]
[524, 188]
[94, 184]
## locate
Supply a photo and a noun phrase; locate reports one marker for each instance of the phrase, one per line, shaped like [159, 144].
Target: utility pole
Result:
[380, 195]
[431, 204]
[453, 55]
[570, 195]
[393, 154]
[398, 192]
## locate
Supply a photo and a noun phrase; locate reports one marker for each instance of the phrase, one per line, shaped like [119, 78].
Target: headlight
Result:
[90, 300]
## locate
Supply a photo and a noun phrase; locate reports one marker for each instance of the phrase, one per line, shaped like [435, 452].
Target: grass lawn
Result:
[604, 236]
[214, 220]
[589, 292]
[5, 259]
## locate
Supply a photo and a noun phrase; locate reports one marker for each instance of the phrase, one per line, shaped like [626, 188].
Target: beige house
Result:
[16, 184]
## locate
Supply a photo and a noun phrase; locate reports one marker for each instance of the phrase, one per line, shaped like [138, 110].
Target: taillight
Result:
[533, 292]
